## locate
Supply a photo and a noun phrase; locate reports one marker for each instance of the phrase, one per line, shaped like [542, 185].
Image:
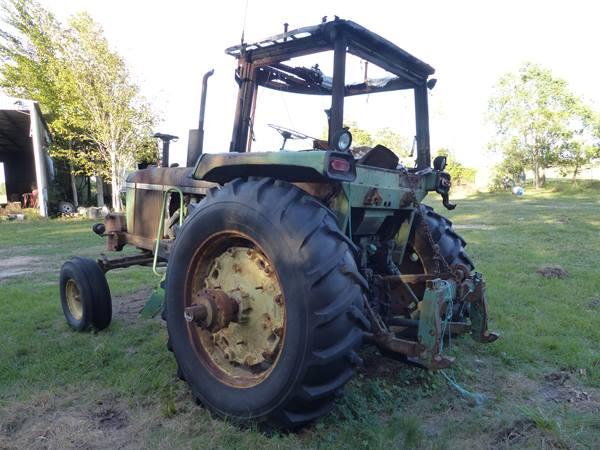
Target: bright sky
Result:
[170, 45]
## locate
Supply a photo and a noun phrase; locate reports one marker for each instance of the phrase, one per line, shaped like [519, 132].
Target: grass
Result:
[118, 388]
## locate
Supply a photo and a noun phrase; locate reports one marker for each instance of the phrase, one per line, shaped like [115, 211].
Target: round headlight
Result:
[342, 140]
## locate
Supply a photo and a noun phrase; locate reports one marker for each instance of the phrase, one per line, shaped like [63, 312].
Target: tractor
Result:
[279, 265]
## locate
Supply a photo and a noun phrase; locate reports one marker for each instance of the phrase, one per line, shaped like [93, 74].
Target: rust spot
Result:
[372, 197]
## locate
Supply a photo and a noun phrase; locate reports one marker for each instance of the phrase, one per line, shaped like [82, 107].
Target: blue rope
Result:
[476, 397]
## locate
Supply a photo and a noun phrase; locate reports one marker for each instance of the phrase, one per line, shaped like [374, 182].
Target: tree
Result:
[32, 51]
[534, 114]
[360, 136]
[458, 172]
[389, 138]
[584, 147]
[120, 122]
[383, 136]
[99, 121]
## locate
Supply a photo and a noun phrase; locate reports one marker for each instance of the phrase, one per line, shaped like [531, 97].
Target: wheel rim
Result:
[237, 286]
[74, 299]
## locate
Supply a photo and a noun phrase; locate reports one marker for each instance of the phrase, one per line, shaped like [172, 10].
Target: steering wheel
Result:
[287, 133]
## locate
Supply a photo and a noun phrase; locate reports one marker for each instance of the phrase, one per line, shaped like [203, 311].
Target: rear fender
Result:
[303, 166]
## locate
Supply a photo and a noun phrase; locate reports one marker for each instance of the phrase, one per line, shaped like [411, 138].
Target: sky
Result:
[168, 46]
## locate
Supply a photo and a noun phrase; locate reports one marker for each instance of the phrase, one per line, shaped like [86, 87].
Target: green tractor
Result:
[281, 265]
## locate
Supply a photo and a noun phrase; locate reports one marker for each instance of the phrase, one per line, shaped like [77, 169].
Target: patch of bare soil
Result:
[109, 417]
[524, 433]
[50, 422]
[559, 387]
[377, 366]
[15, 266]
[553, 271]
[514, 434]
[127, 307]
[594, 303]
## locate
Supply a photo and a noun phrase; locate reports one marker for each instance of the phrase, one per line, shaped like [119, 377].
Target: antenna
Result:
[244, 21]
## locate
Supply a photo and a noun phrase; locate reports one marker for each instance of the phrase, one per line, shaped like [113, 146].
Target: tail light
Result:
[339, 165]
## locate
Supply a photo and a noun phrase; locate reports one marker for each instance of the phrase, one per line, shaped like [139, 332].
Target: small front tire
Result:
[85, 295]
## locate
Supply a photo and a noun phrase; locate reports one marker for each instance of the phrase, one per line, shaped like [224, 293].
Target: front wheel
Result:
[264, 303]
[85, 295]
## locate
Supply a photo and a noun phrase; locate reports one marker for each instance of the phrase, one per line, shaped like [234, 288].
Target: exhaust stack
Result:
[196, 137]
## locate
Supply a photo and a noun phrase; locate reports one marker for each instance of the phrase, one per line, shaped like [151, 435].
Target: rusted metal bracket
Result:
[478, 312]
[396, 345]
[107, 264]
[426, 351]
[438, 293]
[395, 280]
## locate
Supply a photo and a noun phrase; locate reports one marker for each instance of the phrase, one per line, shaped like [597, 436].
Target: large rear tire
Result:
[320, 298]
[419, 256]
[432, 229]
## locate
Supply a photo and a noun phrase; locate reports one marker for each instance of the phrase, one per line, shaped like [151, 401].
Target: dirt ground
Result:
[19, 265]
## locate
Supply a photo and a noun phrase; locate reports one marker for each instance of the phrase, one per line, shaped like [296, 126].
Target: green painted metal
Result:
[394, 187]
[302, 166]
[430, 332]
[161, 223]
[154, 304]
[379, 192]
[478, 312]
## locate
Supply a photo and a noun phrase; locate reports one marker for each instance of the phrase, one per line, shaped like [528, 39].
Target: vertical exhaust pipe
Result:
[196, 137]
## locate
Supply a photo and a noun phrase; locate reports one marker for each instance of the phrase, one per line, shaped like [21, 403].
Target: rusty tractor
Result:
[281, 264]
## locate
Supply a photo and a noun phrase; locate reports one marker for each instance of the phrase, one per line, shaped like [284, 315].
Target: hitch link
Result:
[478, 312]
[430, 333]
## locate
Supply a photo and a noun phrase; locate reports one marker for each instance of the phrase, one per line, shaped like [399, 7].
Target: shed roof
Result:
[15, 124]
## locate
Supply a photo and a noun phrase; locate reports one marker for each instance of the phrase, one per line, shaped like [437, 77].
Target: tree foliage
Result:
[459, 173]
[584, 147]
[119, 122]
[539, 122]
[383, 136]
[97, 117]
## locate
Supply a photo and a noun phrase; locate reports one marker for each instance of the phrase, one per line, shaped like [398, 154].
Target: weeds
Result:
[50, 375]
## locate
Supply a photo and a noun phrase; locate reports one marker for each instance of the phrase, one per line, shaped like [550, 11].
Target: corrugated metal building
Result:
[24, 161]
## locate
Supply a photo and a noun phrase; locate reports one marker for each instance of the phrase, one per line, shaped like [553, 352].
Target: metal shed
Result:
[25, 164]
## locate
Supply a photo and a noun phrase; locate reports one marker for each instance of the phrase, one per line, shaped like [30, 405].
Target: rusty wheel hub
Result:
[74, 299]
[237, 313]
[212, 310]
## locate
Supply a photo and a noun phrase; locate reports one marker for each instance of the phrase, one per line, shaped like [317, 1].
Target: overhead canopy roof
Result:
[14, 131]
[409, 71]
[15, 125]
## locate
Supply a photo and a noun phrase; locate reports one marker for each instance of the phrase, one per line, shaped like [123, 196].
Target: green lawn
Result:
[118, 388]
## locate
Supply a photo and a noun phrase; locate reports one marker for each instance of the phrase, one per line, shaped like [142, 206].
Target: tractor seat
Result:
[379, 156]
